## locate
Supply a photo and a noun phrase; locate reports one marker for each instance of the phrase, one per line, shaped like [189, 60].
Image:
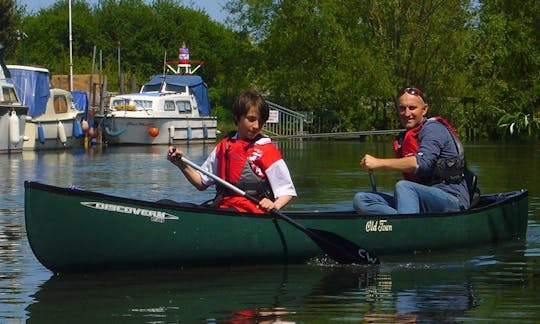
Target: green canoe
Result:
[70, 229]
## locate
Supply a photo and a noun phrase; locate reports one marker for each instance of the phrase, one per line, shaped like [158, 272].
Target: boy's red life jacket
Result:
[242, 163]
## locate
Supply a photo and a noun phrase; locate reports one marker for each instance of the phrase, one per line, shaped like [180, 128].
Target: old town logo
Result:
[380, 225]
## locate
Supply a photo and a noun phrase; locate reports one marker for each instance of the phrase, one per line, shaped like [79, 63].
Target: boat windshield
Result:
[135, 105]
[151, 87]
[143, 104]
[167, 88]
[9, 95]
[119, 102]
[60, 104]
[176, 88]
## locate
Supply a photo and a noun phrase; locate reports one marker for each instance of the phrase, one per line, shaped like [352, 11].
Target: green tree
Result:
[10, 21]
[340, 60]
[145, 34]
[47, 44]
[505, 61]
[344, 60]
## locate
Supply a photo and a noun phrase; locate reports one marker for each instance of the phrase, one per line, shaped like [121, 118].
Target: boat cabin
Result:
[172, 102]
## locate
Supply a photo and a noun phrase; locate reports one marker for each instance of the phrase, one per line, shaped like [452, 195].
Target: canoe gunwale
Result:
[509, 197]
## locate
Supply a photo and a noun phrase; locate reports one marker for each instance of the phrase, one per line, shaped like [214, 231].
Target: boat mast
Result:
[70, 52]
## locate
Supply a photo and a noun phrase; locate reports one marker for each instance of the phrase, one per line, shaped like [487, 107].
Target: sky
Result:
[212, 7]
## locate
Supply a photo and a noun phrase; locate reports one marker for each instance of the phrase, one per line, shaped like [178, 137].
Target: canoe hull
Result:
[75, 230]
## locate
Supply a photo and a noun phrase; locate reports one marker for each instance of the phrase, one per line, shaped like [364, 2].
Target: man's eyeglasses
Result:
[412, 91]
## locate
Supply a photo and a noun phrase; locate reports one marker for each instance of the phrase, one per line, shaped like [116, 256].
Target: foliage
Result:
[505, 60]
[133, 38]
[10, 20]
[520, 124]
[336, 58]
[47, 44]
[339, 60]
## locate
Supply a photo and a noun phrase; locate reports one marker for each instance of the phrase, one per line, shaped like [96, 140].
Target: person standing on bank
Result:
[431, 158]
[247, 159]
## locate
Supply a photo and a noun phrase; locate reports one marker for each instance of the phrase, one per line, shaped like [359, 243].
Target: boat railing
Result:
[284, 121]
[176, 66]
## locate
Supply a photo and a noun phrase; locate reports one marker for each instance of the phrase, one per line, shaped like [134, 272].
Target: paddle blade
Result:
[340, 249]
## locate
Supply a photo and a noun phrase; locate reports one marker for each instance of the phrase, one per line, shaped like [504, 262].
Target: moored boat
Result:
[55, 122]
[12, 113]
[71, 229]
[168, 109]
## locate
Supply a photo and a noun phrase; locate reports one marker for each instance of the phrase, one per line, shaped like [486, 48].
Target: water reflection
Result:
[492, 283]
[424, 288]
[406, 295]
[188, 295]
[254, 295]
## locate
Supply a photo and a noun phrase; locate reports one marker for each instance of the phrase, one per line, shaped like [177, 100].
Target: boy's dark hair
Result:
[248, 99]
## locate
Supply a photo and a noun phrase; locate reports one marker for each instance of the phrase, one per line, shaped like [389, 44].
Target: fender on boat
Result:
[110, 132]
[77, 129]
[62, 133]
[14, 135]
[205, 131]
[84, 125]
[171, 133]
[189, 133]
[105, 125]
[41, 133]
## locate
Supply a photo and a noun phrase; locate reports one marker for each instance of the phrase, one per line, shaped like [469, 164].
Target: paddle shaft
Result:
[372, 181]
[337, 247]
[218, 179]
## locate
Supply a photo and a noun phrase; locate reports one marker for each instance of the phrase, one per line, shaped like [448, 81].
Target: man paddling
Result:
[431, 158]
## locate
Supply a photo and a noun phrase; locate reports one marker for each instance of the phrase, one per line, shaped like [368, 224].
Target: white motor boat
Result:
[55, 121]
[168, 109]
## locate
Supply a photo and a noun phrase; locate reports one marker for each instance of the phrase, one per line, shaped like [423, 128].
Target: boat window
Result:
[151, 87]
[183, 106]
[175, 88]
[169, 105]
[143, 104]
[119, 102]
[9, 95]
[60, 104]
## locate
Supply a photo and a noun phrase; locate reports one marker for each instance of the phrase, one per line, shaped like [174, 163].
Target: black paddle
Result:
[372, 181]
[338, 248]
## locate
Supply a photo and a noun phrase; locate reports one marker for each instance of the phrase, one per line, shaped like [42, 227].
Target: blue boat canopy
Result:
[174, 82]
[80, 99]
[32, 87]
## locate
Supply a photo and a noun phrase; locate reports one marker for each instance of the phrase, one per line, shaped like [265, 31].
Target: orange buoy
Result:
[153, 131]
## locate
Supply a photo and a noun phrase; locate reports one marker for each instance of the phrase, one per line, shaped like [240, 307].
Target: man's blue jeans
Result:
[409, 198]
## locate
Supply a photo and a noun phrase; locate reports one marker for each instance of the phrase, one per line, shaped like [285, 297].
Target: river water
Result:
[496, 283]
